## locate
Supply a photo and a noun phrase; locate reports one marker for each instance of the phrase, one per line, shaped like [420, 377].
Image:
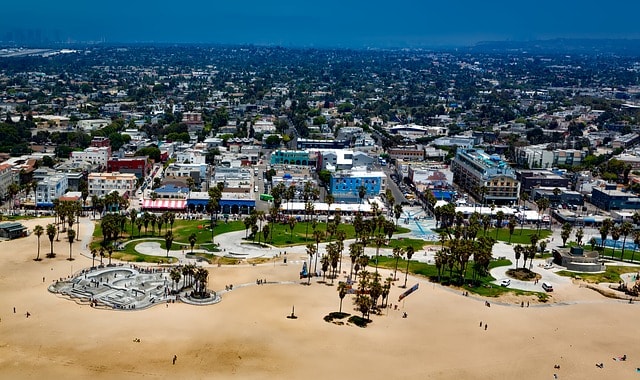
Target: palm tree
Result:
[604, 231]
[636, 241]
[354, 253]
[311, 250]
[192, 240]
[397, 212]
[579, 235]
[175, 276]
[51, 234]
[397, 253]
[38, 231]
[409, 252]
[329, 200]
[615, 236]
[543, 204]
[625, 230]
[512, 226]
[342, 292]
[518, 249]
[292, 223]
[94, 252]
[499, 219]
[168, 241]
[139, 223]
[379, 240]
[71, 235]
[362, 192]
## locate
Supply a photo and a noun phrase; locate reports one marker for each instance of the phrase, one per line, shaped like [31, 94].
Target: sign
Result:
[409, 291]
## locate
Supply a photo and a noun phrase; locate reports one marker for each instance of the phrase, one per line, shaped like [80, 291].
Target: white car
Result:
[505, 282]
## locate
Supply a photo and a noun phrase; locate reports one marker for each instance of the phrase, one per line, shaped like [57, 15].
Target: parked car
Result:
[505, 282]
[547, 287]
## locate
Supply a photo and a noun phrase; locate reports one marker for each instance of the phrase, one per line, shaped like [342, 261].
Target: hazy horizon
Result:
[355, 24]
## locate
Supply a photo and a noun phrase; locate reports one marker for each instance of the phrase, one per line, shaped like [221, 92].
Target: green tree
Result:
[565, 233]
[192, 240]
[51, 234]
[38, 231]
[71, 235]
[168, 241]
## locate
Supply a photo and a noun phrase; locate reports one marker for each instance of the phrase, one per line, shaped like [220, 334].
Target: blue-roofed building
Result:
[51, 188]
[487, 177]
[344, 186]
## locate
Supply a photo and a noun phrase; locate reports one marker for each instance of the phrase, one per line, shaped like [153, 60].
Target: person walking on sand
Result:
[175, 357]
[485, 327]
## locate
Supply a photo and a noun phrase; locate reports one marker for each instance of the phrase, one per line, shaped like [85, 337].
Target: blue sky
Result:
[347, 23]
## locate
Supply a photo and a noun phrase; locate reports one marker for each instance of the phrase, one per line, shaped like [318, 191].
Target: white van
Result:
[547, 287]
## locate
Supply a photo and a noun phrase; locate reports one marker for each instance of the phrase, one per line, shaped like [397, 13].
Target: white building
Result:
[93, 124]
[50, 188]
[190, 156]
[6, 178]
[98, 156]
[101, 184]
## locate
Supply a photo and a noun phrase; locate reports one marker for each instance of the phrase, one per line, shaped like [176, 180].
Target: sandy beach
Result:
[247, 335]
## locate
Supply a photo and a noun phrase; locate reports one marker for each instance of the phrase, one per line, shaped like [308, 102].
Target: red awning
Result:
[166, 204]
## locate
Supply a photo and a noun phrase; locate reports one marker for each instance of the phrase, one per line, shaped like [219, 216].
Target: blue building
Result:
[610, 199]
[292, 157]
[345, 186]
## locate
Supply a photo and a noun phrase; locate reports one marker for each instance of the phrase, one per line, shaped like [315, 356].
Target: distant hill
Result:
[564, 46]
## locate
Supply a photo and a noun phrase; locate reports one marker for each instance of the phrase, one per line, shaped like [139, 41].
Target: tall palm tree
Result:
[71, 235]
[397, 253]
[311, 250]
[512, 226]
[615, 236]
[38, 231]
[518, 249]
[168, 241]
[51, 234]
[192, 240]
[636, 241]
[329, 200]
[397, 212]
[625, 230]
[342, 292]
[354, 252]
[409, 252]
[379, 240]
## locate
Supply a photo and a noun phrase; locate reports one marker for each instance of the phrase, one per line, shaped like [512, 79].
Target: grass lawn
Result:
[611, 274]
[281, 235]
[403, 243]
[486, 288]
[518, 237]
[182, 229]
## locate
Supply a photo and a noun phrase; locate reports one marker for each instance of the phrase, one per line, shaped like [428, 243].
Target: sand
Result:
[247, 335]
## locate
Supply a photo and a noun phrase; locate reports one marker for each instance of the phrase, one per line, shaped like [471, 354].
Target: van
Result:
[547, 287]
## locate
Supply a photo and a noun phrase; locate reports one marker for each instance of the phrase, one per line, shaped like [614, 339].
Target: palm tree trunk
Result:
[406, 275]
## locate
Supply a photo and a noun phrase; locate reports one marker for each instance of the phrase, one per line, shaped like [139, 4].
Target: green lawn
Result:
[611, 274]
[519, 236]
[403, 243]
[281, 235]
[485, 288]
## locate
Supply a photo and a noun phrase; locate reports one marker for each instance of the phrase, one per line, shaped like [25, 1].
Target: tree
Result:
[409, 252]
[579, 235]
[71, 235]
[311, 250]
[192, 240]
[342, 292]
[518, 250]
[168, 241]
[499, 219]
[329, 200]
[292, 224]
[543, 204]
[636, 241]
[512, 226]
[625, 230]
[604, 231]
[615, 236]
[362, 192]
[38, 231]
[51, 234]
[565, 233]
[175, 276]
